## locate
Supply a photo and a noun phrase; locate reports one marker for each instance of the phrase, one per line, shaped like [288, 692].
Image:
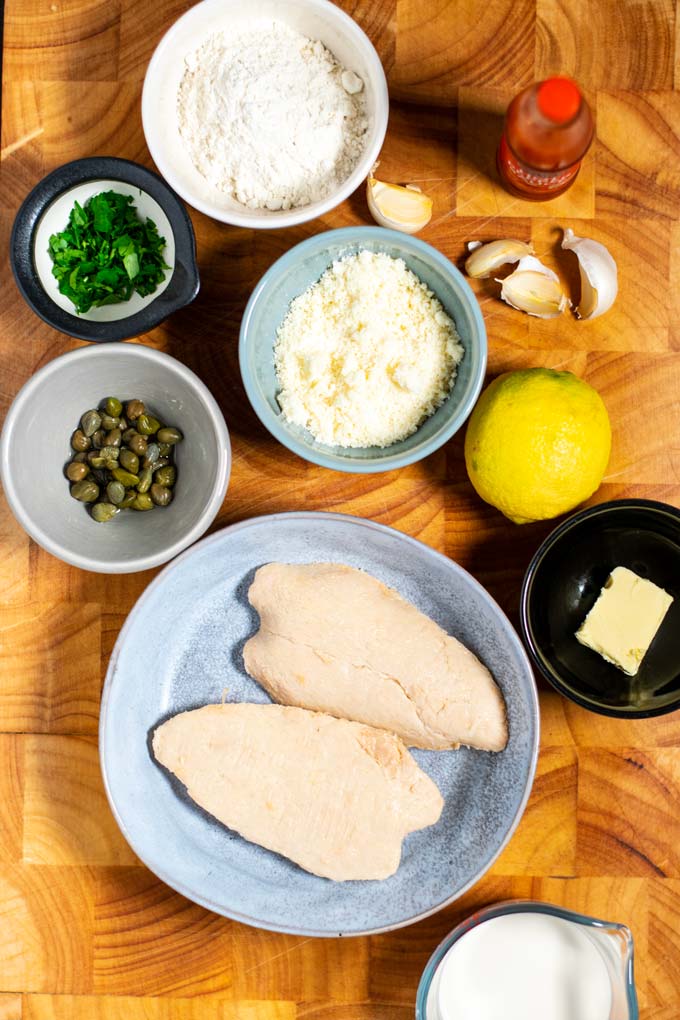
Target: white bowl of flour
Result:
[265, 113]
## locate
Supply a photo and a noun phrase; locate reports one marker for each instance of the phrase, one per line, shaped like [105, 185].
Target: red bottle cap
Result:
[559, 99]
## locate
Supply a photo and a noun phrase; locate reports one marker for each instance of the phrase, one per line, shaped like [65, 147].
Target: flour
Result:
[271, 118]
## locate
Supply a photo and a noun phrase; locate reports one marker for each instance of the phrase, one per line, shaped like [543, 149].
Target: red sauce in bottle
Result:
[548, 130]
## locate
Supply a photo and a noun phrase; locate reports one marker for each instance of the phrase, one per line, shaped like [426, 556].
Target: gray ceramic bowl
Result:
[35, 446]
[181, 647]
[292, 274]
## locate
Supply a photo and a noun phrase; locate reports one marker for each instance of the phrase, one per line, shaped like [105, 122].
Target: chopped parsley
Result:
[106, 253]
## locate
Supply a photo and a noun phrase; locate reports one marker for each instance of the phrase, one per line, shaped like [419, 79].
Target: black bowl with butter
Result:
[563, 582]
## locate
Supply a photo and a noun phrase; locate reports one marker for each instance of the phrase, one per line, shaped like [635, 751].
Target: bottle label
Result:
[524, 177]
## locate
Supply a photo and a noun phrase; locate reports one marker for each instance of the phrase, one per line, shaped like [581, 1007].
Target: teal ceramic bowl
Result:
[302, 266]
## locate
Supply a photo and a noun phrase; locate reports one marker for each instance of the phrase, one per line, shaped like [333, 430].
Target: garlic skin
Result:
[534, 289]
[599, 275]
[487, 258]
[398, 207]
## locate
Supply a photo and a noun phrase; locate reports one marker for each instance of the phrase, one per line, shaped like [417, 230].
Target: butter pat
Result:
[623, 622]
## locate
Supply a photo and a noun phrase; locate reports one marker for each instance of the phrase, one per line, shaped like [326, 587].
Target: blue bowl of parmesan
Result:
[363, 349]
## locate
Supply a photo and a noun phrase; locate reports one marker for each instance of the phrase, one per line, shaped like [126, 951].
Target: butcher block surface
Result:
[86, 932]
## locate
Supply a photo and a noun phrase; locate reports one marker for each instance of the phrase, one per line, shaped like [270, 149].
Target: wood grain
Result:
[69, 1007]
[86, 932]
[50, 656]
[580, 38]
[10, 1007]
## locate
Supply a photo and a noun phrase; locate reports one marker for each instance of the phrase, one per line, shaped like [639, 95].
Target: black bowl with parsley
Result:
[104, 252]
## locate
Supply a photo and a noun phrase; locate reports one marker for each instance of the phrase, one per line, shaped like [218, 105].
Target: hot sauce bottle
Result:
[548, 130]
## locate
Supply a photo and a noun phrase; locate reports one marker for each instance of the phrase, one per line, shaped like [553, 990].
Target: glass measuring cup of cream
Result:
[525, 960]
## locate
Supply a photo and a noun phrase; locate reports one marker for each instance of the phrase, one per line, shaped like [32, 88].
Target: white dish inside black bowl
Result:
[46, 211]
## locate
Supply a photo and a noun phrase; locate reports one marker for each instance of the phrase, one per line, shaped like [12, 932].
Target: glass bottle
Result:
[547, 132]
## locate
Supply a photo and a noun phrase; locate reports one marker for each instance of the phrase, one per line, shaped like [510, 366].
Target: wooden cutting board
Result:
[86, 932]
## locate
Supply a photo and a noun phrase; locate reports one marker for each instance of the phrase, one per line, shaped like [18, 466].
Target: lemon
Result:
[537, 443]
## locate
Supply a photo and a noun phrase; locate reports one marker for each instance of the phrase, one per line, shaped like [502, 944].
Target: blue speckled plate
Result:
[181, 648]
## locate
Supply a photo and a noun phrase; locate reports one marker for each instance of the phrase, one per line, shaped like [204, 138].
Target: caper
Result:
[138, 444]
[148, 425]
[134, 409]
[107, 454]
[79, 441]
[75, 472]
[124, 453]
[115, 492]
[152, 454]
[160, 494]
[145, 479]
[90, 422]
[142, 501]
[110, 453]
[113, 406]
[86, 491]
[170, 436]
[101, 476]
[165, 476]
[112, 438]
[128, 499]
[129, 460]
[126, 477]
[103, 512]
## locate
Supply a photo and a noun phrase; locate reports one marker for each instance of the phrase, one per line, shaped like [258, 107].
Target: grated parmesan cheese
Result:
[365, 354]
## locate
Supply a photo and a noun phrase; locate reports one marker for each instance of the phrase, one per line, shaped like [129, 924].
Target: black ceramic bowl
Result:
[562, 583]
[46, 210]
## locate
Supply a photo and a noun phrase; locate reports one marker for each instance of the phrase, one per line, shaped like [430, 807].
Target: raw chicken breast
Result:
[334, 639]
[334, 796]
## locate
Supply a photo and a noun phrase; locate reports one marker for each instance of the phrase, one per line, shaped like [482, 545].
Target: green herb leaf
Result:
[78, 215]
[103, 213]
[106, 253]
[131, 263]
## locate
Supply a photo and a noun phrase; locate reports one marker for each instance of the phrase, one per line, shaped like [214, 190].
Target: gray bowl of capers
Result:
[124, 429]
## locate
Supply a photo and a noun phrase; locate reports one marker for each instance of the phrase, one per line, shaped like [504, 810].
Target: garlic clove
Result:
[599, 276]
[486, 258]
[351, 82]
[399, 208]
[535, 289]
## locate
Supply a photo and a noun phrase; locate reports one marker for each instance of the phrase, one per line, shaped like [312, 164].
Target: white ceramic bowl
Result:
[317, 19]
[35, 446]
